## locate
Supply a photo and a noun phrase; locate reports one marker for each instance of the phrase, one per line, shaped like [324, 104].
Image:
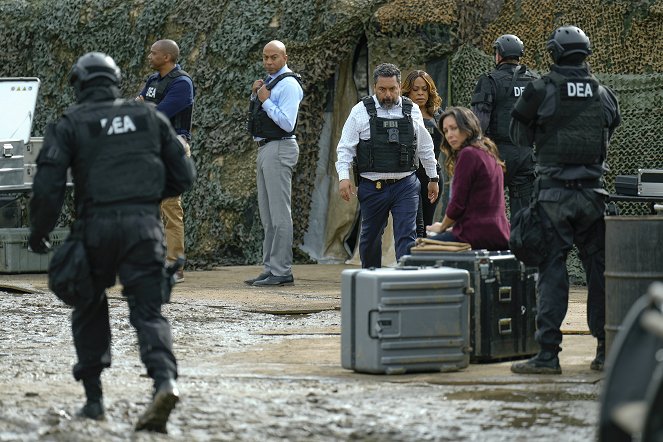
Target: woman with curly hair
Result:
[476, 213]
[419, 87]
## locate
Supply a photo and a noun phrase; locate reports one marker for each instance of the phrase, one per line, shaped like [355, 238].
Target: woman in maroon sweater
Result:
[476, 213]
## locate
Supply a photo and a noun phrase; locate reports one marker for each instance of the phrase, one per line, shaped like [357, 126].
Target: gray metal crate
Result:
[11, 163]
[31, 150]
[14, 254]
[405, 320]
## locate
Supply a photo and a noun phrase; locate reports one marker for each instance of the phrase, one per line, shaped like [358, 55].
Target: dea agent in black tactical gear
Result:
[125, 158]
[494, 97]
[569, 117]
[387, 135]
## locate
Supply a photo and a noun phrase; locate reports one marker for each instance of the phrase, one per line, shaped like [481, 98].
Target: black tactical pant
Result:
[570, 217]
[519, 176]
[128, 243]
[426, 209]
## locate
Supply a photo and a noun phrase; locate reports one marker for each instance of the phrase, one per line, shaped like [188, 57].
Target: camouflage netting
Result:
[221, 44]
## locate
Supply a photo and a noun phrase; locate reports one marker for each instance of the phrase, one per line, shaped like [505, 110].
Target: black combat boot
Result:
[599, 360]
[156, 416]
[545, 362]
[94, 406]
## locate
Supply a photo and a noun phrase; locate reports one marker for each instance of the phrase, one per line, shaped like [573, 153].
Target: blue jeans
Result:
[402, 200]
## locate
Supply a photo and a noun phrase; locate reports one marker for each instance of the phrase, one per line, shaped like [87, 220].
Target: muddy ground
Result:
[261, 365]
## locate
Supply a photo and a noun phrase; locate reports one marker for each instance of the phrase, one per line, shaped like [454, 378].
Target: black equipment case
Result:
[503, 305]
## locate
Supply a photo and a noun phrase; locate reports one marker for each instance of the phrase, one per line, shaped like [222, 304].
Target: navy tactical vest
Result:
[259, 124]
[575, 134]
[391, 147]
[509, 85]
[156, 91]
[119, 147]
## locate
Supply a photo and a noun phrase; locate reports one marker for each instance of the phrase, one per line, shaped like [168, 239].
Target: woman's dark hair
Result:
[434, 101]
[468, 123]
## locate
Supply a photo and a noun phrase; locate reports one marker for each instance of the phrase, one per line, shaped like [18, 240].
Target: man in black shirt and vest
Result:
[120, 153]
[272, 121]
[494, 97]
[570, 118]
[172, 90]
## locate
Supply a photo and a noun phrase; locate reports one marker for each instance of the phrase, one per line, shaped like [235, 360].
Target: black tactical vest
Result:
[575, 134]
[156, 92]
[509, 85]
[259, 124]
[119, 148]
[392, 144]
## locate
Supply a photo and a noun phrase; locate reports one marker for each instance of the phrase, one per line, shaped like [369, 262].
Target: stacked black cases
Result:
[503, 306]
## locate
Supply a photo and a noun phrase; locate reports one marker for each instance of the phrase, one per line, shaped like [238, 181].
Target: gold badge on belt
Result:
[378, 185]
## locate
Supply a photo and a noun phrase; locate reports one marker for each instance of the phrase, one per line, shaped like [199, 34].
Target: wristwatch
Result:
[434, 179]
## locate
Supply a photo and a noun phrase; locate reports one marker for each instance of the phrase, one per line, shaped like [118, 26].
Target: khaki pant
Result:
[173, 219]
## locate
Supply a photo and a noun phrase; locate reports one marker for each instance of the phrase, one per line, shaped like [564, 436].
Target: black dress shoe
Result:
[156, 415]
[92, 410]
[275, 281]
[260, 277]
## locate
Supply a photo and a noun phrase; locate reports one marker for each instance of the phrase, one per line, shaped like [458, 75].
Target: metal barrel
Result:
[633, 260]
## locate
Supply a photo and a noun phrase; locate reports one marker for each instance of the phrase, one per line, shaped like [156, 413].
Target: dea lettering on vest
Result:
[574, 134]
[510, 82]
[119, 125]
[155, 94]
[580, 90]
[151, 92]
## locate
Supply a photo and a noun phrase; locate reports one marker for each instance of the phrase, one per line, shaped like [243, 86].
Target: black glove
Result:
[169, 273]
[38, 244]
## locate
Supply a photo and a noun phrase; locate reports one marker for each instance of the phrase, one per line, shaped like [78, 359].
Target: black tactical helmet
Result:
[567, 40]
[93, 65]
[509, 46]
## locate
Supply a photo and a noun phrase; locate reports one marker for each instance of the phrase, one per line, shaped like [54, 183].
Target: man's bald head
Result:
[274, 56]
[275, 45]
[168, 47]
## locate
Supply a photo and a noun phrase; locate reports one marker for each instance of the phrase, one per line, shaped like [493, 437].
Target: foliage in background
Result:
[221, 43]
